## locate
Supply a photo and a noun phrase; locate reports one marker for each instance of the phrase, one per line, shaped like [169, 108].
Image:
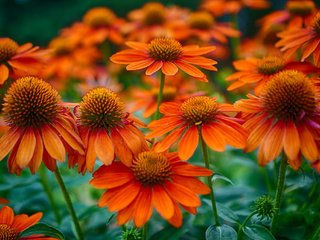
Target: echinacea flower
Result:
[257, 72]
[11, 226]
[285, 117]
[18, 60]
[168, 55]
[41, 129]
[107, 130]
[155, 180]
[197, 115]
[307, 39]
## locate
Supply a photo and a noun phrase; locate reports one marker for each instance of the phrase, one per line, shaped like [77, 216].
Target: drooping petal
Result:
[27, 222]
[189, 69]
[38, 153]
[308, 145]
[6, 216]
[193, 184]
[104, 147]
[273, 141]
[169, 69]
[26, 148]
[188, 143]
[162, 202]
[143, 206]
[291, 141]
[213, 138]
[182, 194]
[4, 73]
[140, 64]
[8, 140]
[91, 153]
[154, 67]
[52, 143]
[185, 169]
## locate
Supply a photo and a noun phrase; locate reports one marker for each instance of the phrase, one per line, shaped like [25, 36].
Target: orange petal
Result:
[196, 51]
[185, 169]
[182, 194]
[143, 207]
[273, 141]
[131, 139]
[27, 222]
[154, 67]
[104, 147]
[91, 154]
[176, 219]
[308, 145]
[189, 69]
[213, 138]
[26, 148]
[38, 153]
[6, 216]
[137, 45]
[52, 143]
[257, 134]
[4, 73]
[8, 140]
[121, 149]
[193, 184]
[125, 215]
[291, 141]
[165, 143]
[162, 202]
[169, 69]
[188, 143]
[140, 64]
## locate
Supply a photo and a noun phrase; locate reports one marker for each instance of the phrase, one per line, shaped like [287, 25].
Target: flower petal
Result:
[26, 148]
[104, 147]
[52, 143]
[188, 143]
[162, 202]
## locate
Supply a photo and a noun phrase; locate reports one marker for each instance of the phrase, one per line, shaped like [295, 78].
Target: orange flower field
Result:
[161, 120]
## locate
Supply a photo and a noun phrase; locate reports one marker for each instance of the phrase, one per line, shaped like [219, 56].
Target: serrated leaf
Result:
[227, 214]
[223, 232]
[43, 229]
[258, 232]
[218, 176]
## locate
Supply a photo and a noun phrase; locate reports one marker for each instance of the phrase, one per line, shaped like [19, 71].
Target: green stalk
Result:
[244, 224]
[235, 41]
[47, 189]
[160, 96]
[145, 231]
[69, 204]
[209, 183]
[279, 193]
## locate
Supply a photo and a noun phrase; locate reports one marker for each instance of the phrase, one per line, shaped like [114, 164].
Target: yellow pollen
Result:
[301, 8]
[165, 49]
[151, 168]
[199, 109]
[7, 233]
[154, 13]
[316, 23]
[270, 65]
[61, 46]
[201, 20]
[101, 108]
[289, 95]
[30, 102]
[99, 17]
[8, 48]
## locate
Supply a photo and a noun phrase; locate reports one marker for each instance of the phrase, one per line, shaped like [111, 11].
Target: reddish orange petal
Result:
[138, 45]
[185, 169]
[193, 184]
[291, 141]
[128, 56]
[162, 202]
[169, 140]
[143, 207]
[91, 153]
[104, 147]
[273, 141]
[257, 134]
[27, 222]
[38, 153]
[132, 140]
[8, 140]
[188, 143]
[121, 149]
[52, 143]
[213, 138]
[125, 215]
[4, 73]
[196, 51]
[26, 148]
[176, 219]
[140, 64]
[182, 194]
[189, 69]
[308, 146]
[6, 216]
[169, 69]
[154, 67]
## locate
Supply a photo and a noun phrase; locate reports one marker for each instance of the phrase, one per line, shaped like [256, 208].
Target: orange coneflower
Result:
[41, 129]
[107, 130]
[257, 72]
[308, 39]
[200, 114]
[159, 180]
[168, 55]
[284, 117]
[18, 60]
[11, 227]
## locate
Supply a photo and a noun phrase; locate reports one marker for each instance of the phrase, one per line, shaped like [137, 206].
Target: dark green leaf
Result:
[227, 214]
[223, 232]
[44, 229]
[258, 232]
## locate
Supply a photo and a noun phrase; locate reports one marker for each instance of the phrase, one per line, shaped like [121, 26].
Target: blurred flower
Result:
[107, 130]
[41, 129]
[200, 114]
[19, 61]
[257, 72]
[159, 180]
[307, 39]
[284, 117]
[168, 55]
[12, 226]
[3, 201]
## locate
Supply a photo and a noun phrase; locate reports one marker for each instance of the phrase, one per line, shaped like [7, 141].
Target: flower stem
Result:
[206, 162]
[279, 193]
[244, 224]
[145, 231]
[160, 96]
[47, 189]
[316, 235]
[69, 204]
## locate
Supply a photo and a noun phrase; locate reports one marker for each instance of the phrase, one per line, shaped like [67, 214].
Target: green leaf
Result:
[227, 214]
[258, 232]
[223, 232]
[43, 229]
[218, 176]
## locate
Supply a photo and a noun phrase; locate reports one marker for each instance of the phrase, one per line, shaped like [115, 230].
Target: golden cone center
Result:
[99, 17]
[270, 65]
[199, 109]
[30, 102]
[165, 49]
[301, 8]
[151, 168]
[8, 48]
[101, 108]
[154, 14]
[7, 233]
[289, 95]
[201, 20]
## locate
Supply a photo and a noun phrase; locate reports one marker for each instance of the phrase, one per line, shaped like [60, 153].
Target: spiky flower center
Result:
[199, 109]
[201, 20]
[265, 207]
[7, 233]
[151, 168]
[99, 17]
[316, 23]
[270, 65]
[101, 108]
[301, 8]
[8, 48]
[165, 49]
[154, 14]
[289, 95]
[30, 102]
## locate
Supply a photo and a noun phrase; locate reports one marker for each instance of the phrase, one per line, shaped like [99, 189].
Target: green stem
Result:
[145, 232]
[47, 189]
[69, 204]
[266, 178]
[279, 193]
[160, 96]
[244, 224]
[206, 162]
[316, 235]
[235, 41]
